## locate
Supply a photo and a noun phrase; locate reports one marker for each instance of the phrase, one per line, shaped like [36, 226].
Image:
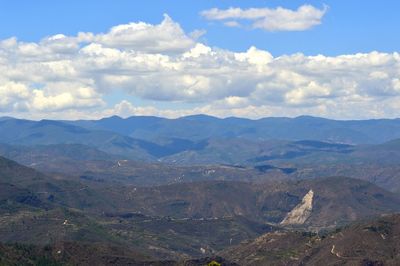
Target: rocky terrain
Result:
[72, 189]
[373, 242]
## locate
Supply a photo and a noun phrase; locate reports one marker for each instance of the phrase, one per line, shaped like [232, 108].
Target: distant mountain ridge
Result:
[202, 139]
[198, 127]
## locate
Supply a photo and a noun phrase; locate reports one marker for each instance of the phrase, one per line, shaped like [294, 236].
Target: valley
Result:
[84, 187]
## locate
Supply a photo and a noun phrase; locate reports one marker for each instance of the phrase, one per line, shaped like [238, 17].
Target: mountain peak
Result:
[114, 117]
[199, 117]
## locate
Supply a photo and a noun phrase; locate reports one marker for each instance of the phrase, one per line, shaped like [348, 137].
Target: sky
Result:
[92, 59]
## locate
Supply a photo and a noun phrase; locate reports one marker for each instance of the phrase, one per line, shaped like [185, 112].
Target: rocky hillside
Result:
[372, 242]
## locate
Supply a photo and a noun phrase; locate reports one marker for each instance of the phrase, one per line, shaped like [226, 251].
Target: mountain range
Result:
[199, 127]
[198, 189]
[159, 137]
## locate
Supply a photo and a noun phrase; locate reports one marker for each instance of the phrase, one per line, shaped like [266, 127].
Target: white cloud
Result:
[11, 94]
[232, 23]
[164, 37]
[269, 19]
[73, 76]
[19, 97]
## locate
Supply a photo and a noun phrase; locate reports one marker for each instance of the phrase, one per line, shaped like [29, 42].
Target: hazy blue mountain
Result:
[202, 139]
[46, 154]
[48, 132]
[199, 127]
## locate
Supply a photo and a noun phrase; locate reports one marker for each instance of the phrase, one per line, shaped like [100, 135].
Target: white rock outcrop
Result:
[301, 212]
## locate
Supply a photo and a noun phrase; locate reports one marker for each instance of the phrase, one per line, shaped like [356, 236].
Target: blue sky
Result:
[165, 69]
[348, 27]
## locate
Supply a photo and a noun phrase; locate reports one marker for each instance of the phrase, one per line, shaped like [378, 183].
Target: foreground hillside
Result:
[373, 242]
[72, 253]
[178, 221]
[335, 201]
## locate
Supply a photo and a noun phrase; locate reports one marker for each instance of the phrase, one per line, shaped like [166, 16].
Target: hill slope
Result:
[336, 200]
[372, 242]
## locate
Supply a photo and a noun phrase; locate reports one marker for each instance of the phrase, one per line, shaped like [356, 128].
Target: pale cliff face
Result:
[301, 212]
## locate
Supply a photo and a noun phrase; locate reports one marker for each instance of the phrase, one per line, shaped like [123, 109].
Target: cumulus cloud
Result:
[72, 77]
[269, 19]
[168, 36]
